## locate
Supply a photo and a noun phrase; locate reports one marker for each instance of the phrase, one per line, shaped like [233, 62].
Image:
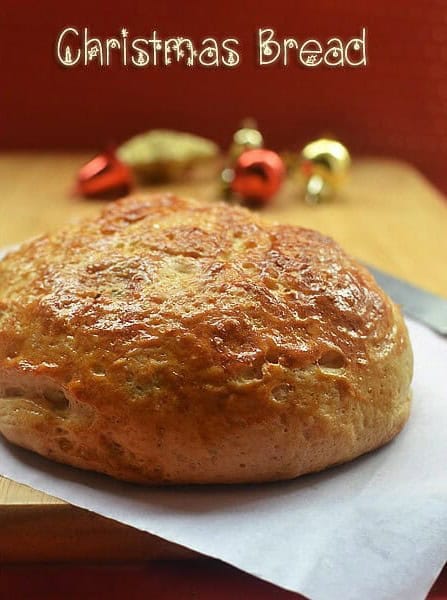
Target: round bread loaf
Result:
[171, 341]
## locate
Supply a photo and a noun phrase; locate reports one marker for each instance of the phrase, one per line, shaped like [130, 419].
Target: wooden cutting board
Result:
[388, 215]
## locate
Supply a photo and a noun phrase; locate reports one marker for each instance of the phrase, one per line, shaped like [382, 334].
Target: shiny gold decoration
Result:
[248, 137]
[324, 164]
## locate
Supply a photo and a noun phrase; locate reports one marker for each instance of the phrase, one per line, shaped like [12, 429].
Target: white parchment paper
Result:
[373, 529]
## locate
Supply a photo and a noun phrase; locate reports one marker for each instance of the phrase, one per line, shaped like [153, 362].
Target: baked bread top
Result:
[169, 340]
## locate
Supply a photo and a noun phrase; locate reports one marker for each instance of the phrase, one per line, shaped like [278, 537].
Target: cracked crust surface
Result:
[171, 341]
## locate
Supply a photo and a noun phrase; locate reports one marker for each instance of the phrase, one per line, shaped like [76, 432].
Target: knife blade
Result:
[416, 302]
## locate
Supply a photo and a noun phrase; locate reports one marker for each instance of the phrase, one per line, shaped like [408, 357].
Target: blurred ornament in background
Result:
[163, 155]
[258, 175]
[252, 174]
[248, 137]
[323, 165]
[104, 176]
[226, 179]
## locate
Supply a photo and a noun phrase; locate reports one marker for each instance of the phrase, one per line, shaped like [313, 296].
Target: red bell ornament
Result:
[104, 176]
[258, 175]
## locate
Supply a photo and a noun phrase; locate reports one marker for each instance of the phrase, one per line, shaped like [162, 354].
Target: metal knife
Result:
[423, 306]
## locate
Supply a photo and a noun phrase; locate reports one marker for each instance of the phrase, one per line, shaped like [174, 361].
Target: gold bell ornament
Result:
[324, 165]
[247, 137]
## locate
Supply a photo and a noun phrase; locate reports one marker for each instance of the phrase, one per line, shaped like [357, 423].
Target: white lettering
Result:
[65, 54]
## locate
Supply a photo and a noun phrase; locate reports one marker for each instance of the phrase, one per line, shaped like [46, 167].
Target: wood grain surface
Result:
[387, 214]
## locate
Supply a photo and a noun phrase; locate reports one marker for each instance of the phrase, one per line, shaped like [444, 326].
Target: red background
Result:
[395, 106]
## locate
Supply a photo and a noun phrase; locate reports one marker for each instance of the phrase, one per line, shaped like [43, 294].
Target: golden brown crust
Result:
[174, 341]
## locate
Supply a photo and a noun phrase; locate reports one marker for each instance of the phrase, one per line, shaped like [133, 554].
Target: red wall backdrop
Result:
[396, 106]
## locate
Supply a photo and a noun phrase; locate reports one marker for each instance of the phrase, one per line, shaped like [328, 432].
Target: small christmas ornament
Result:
[323, 166]
[258, 175]
[104, 176]
[248, 137]
[163, 155]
